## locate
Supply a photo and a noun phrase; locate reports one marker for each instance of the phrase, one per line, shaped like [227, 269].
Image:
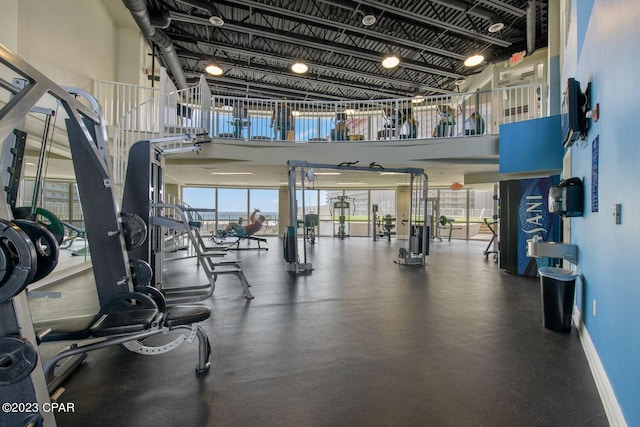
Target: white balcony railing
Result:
[165, 112]
[465, 114]
[169, 113]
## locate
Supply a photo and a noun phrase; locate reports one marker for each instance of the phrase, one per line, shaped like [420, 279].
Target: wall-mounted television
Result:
[574, 108]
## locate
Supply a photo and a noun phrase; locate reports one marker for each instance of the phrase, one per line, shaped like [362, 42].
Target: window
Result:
[267, 202]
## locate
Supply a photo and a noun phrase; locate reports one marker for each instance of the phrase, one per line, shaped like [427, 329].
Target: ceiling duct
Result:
[214, 14]
[140, 13]
[531, 26]
[472, 9]
[368, 17]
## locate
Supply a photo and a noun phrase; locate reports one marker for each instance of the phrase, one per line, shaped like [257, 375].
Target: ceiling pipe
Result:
[531, 26]
[140, 13]
[358, 31]
[368, 18]
[432, 22]
[214, 14]
[471, 9]
[306, 41]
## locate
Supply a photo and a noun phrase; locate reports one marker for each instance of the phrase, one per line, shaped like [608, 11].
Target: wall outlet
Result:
[595, 305]
[617, 213]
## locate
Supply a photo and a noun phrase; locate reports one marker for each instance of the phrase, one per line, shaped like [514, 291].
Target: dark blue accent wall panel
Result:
[531, 146]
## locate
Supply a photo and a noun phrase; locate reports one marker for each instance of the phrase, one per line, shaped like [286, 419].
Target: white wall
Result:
[71, 42]
[9, 24]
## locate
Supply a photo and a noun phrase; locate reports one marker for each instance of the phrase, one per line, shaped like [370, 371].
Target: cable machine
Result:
[418, 245]
[345, 206]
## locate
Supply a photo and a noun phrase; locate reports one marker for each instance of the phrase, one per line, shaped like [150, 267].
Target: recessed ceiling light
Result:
[495, 27]
[474, 60]
[460, 82]
[299, 67]
[214, 70]
[417, 99]
[216, 21]
[390, 61]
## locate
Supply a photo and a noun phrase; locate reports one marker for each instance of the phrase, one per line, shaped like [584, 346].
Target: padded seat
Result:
[68, 329]
[124, 322]
[186, 314]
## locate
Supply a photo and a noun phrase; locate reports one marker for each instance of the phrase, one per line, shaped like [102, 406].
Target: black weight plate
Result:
[46, 245]
[5, 262]
[18, 358]
[141, 272]
[18, 248]
[44, 217]
[135, 230]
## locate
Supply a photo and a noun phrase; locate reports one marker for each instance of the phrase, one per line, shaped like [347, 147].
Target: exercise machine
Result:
[383, 225]
[344, 206]
[28, 251]
[418, 245]
[491, 224]
[310, 225]
[144, 197]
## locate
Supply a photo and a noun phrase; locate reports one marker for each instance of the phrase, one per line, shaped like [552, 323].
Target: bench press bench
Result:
[127, 319]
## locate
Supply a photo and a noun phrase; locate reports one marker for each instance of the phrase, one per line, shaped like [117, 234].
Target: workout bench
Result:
[127, 319]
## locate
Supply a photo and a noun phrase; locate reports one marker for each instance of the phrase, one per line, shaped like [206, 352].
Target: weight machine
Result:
[346, 206]
[413, 254]
[144, 197]
[383, 225]
[28, 252]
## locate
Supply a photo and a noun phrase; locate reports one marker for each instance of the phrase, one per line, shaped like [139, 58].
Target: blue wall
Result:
[531, 146]
[602, 47]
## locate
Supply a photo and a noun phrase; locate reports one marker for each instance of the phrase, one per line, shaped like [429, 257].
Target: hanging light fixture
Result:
[495, 27]
[418, 98]
[474, 60]
[216, 21]
[299, 67]
[390, 61]
[214, 70]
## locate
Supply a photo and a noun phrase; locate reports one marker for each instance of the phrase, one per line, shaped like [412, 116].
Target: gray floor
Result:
[360, 341]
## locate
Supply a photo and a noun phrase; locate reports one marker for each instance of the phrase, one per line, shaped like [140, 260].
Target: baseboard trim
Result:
[608, 397]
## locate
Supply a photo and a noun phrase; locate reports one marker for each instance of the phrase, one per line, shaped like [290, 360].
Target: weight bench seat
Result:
[128, 319]
[118, 323]
[185, 315]
[124, 322]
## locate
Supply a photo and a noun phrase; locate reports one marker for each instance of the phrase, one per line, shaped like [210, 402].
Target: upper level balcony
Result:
[446, 129]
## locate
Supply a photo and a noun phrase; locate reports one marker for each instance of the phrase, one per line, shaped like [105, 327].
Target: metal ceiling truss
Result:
[412, 85]
[309, 42]
[261, 38]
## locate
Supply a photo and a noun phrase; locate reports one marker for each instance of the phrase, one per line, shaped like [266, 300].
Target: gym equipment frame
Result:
[109, 237]
[418, 247]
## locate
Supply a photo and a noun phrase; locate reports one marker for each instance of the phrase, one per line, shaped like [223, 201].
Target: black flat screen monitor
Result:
[573, 113]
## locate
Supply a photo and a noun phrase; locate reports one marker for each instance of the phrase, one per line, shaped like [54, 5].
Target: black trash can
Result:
[557, 286]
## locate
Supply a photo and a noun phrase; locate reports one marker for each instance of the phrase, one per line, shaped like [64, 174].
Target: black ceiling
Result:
[260, 39]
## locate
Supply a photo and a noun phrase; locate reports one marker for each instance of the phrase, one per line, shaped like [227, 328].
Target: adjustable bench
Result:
[128, 319]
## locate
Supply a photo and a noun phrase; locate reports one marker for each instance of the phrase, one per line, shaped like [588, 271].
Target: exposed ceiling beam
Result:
[504, 7]
[310, 42]
[311, 80]
[351, 29]
[326, 68]
[275, 89]
[416, 17]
